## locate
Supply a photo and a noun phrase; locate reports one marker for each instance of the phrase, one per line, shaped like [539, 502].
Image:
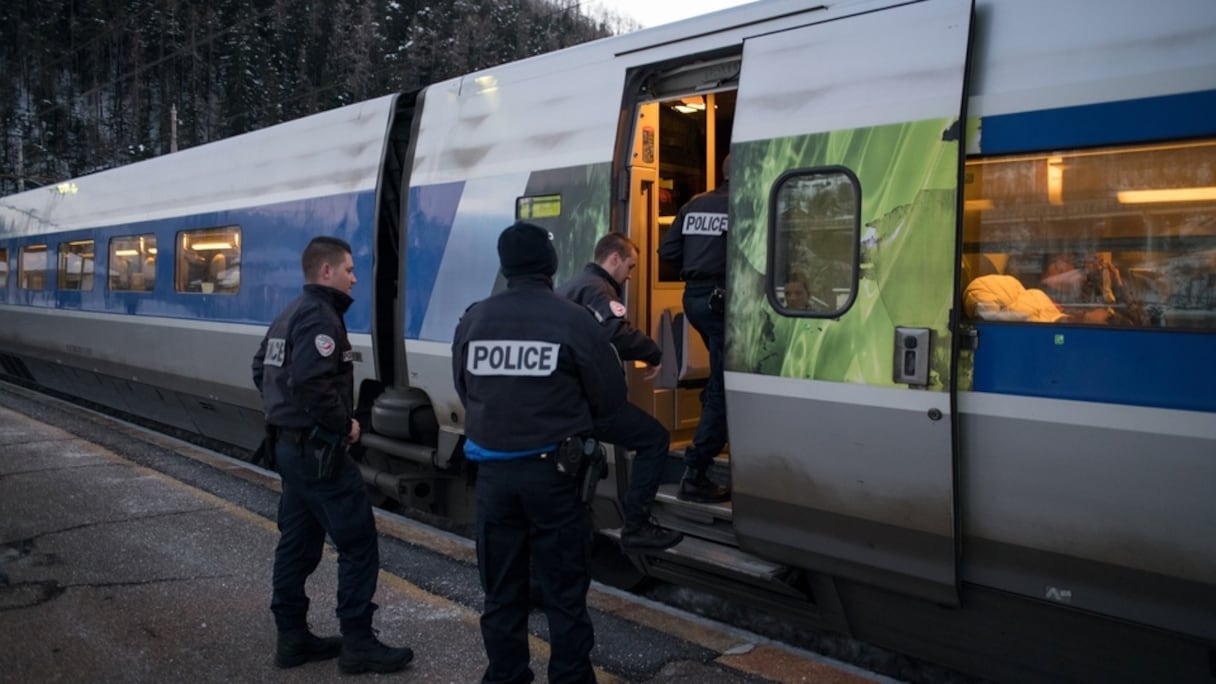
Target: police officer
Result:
[532, 369]
[598, 288]
[305, 372]
[696, 242]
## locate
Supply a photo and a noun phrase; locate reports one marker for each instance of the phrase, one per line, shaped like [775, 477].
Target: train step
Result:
[718, 560]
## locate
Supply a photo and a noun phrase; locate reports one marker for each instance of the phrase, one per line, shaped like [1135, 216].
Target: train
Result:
[986, 438]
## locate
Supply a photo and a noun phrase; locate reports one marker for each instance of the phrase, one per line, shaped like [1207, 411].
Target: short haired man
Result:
[600, 288]
[304, 370]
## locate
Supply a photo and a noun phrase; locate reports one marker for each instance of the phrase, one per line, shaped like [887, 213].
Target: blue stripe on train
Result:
[1158, 368]
[1169, 117]
[432, 211]
[272, 239]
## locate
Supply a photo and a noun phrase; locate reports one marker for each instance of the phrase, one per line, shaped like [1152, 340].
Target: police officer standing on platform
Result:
[534, 372]
[696, 242]
[305, 372]
[598, 288]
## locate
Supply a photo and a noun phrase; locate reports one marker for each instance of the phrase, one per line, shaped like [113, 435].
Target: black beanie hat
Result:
[525, 248]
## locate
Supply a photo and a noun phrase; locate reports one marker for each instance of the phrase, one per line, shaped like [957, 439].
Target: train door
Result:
[681, 135]
[845, 176]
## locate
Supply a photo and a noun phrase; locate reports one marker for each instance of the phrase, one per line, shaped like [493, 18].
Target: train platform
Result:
[130, 556]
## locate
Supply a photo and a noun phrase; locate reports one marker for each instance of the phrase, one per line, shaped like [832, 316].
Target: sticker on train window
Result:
[538, 207]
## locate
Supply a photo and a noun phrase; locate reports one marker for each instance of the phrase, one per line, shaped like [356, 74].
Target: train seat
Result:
[685, 358]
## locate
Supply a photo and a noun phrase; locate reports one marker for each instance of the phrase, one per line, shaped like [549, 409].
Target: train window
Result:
[815, 236]
[31, 269]
[3, 267]
[76, 265]
[133, 263]
[209, 261]
[1115, 236]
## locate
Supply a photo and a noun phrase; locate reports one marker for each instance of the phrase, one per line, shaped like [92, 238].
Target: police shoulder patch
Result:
[618, 309]
[325, 345]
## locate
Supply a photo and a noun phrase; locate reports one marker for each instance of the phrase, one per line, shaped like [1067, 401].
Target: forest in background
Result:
[87, 85]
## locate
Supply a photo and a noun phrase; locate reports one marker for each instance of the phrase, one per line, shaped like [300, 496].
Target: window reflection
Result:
[133, 263]
[76, 265]
[815, 244]
[31, 270]
[1118, 236]
[209, 261]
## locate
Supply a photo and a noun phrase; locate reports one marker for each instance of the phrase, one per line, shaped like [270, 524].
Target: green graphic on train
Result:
[904, 227]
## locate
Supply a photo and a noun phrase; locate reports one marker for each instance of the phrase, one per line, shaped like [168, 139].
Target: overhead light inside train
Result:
[1199, 194]
[210, 246]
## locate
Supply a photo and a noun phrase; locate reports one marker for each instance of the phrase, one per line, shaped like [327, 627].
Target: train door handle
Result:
[912, 349]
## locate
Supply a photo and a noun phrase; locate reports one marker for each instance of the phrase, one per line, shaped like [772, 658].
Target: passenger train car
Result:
[987, 434]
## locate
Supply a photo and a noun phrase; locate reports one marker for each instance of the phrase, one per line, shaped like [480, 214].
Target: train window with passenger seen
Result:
[76, 265]
[3, 267]
[209, 261]
[1122, 236]
[814, 239]
[133, 263]
[31, 269]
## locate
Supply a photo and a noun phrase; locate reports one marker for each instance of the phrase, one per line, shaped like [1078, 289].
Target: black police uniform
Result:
[631, 427]
[305, 372]
[597, 290]
[532, 369]
[696, 242]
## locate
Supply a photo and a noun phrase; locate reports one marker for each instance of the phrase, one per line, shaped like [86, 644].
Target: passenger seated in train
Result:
[1067, 293]
[1004, 298]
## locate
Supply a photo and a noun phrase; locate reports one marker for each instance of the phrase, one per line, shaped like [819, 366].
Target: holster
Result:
[582, 458]
[264, 456]
[330, 449]
[717, 300]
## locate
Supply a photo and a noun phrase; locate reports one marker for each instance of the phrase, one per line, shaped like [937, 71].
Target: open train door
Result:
[845, 172]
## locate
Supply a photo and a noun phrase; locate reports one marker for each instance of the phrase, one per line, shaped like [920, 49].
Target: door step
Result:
[708, 558]
[709, 521]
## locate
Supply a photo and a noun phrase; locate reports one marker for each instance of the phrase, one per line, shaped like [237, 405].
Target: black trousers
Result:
[634, 429]
[309, 509]
[527, 510]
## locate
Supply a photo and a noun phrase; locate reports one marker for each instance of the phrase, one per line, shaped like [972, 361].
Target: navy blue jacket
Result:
[595, 289]
[304, 367]
[533, 368]
[696, 241]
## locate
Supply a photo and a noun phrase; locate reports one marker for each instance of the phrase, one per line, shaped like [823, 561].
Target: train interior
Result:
[679, 146]
[681, 136]
[1115, 236]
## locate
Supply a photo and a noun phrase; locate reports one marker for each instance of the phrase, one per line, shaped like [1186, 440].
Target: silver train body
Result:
[994, 415]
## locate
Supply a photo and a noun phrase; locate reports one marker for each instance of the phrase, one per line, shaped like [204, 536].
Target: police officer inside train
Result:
[534, 371]
[599, 288]
[696, 243]
[305, 372]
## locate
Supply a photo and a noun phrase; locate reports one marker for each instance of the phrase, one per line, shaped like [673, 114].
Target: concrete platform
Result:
[113, 571]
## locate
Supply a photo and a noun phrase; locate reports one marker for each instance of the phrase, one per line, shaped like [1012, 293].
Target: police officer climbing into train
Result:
[599, 288]
[534, 372]
[305, 372]
[696, 243]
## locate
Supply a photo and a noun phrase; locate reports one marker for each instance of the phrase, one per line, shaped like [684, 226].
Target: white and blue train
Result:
[971, 313]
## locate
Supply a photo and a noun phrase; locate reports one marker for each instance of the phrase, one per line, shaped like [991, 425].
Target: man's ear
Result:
[326, 272]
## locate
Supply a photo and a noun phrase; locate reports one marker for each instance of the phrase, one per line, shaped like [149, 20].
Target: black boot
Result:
[363, 652]
[647, 535]
[299, 646]
[696, 486]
